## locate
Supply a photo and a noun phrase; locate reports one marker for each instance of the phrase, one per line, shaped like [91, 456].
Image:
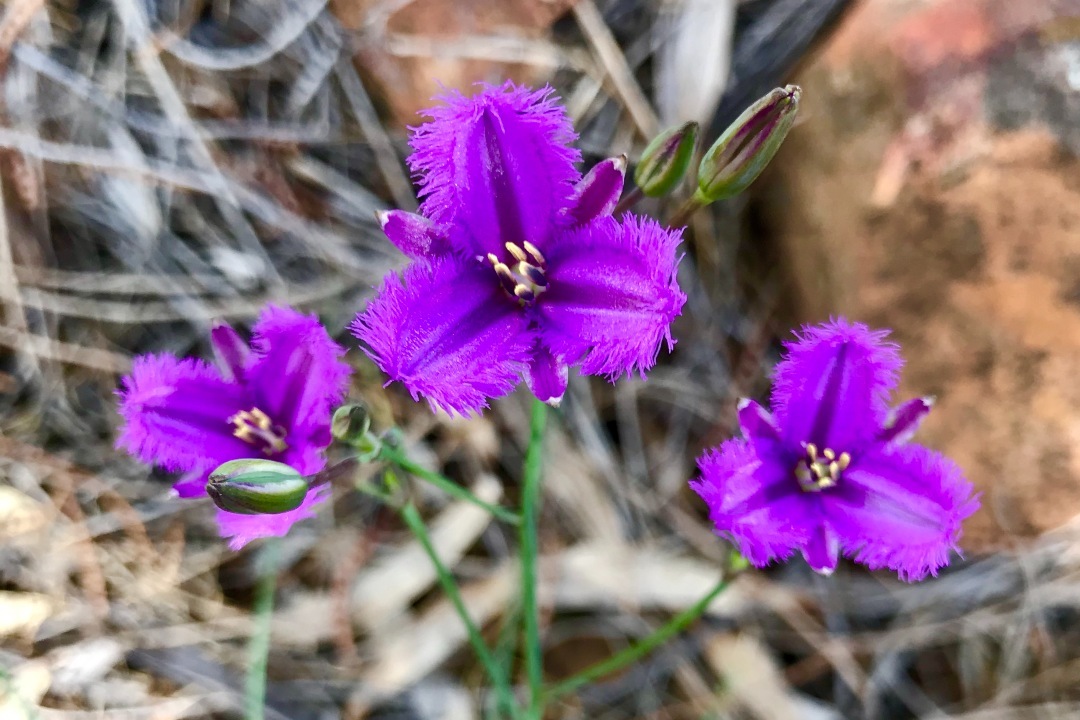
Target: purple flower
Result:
[518, 268]
[272, 400]
[831, 471]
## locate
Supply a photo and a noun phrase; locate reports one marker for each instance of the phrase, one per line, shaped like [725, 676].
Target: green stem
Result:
[633, 653]
[693, 203]
[530, 505]
[259, 644]
[504, 697]
[631, 199]
[397, 457]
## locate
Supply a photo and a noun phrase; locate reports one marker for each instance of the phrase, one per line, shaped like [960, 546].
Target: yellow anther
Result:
[534, 252]
[254, 426]
[816, 474]
[517, 252]
[493, 259]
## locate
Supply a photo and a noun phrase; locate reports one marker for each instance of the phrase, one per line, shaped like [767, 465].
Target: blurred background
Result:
[165, 163]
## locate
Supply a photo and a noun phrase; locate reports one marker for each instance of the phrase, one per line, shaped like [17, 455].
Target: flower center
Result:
[255, 427]
[525, 279]
[818, 472]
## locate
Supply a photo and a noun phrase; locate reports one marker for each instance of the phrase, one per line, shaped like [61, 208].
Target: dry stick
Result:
[385, 156]
[146, 56]
[611, 57]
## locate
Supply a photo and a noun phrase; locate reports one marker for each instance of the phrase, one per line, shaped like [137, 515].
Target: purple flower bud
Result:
[256, 487]
[747, 146]
[665, 160]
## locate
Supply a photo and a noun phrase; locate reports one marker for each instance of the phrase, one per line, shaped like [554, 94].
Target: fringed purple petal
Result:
[230, 352]
[833, 386]
[546, 377]
[297, 380]
[900, 507]
[176, 414]
[755, 503]
[413, 234]
[242, 529]
[496, 167]
[597, 194]
[449, 332]
[612, 295]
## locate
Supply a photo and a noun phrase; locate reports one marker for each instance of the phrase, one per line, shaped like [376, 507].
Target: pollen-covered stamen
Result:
[525, 279]
[255, 427]
[818, 472]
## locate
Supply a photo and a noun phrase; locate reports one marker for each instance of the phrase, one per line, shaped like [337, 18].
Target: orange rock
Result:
[411, 51]
[896, 202]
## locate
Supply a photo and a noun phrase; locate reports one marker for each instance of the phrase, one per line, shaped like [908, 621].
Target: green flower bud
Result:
[350, 423]
[256, 487]
[665, 160]
[747, 146]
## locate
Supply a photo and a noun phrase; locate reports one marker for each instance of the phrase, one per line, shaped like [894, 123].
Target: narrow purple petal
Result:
[496, 167]
[822, 550]
[176, 414]
[242, 529]
[905, 420]
[612, 295]
[191, 485]
[756, 422]
[413, 234]
[597, 194]
[546, 377]
[755, 503]
[449, 332]
[900, 507]
[833, 386]
[297, 379]
[230, 351]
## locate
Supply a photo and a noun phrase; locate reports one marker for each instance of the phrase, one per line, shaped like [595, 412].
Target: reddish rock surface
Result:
[410, 50]
[933, 187]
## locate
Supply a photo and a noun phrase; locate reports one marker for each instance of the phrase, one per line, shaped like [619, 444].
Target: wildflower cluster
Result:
[517, 271]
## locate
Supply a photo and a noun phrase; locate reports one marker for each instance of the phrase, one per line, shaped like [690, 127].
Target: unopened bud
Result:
[747, 146]
[665, 160]
[256, 487]
[350, 423]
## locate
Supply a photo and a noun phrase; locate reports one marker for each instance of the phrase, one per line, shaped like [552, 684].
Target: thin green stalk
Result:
[504, 697]
[629, 200]
[635, 652]
[530, 507]
[259, 644]
[688, 208]
[397, 457]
